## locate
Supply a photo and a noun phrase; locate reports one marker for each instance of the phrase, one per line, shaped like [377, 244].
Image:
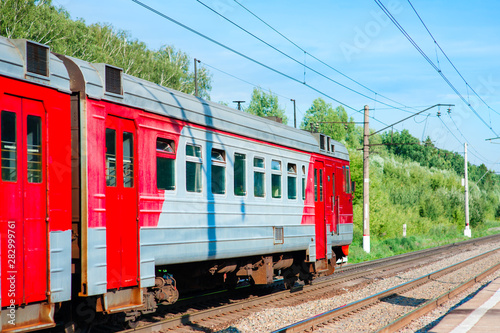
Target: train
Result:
[117, 193]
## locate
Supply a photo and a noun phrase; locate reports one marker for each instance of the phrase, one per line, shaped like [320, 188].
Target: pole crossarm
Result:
[339, 122]
[413, 115]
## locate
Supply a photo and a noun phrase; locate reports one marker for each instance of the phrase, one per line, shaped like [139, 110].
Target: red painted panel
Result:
[319, 170]
[121, 203]
[59, 162]
[35, 209]
[11, 210]
[151, 199]
[24, 206]
[331, 197]
[96, 184]
[309, 210]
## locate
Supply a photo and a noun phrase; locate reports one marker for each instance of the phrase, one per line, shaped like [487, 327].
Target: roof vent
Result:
[113, 80]
[36, 60]
[322, 142]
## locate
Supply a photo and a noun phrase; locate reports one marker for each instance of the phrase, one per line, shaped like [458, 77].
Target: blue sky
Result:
[354, 37]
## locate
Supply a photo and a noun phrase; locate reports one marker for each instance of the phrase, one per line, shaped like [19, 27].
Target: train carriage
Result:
[158, 191]
[35, 185]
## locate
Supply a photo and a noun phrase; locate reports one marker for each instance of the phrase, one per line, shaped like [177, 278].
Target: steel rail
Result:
[432, 250]
[434, 303]
[322, 318]
[345, 274]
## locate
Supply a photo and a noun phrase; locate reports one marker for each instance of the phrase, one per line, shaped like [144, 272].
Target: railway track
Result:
[406, 292]
[211, 313]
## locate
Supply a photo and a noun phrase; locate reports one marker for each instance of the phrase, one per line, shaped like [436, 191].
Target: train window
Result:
[165, 164]
[303, 182]
[34, 148]
[193, 168]
[218, 179]
[128, 159]
[292, 181]
[165, 146]
[347, 180]
[9, 146]
[320, 184]
[315, 184]
[110, 157]
[259, 177]
[276, 179]
[240, 174]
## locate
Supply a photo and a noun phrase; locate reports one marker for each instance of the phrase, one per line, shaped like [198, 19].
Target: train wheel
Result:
[231, 281]
[289, 282]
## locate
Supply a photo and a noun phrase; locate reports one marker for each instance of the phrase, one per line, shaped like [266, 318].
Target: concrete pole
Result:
[467, 231]
[366, 184]
[294, 114]
[195, 78]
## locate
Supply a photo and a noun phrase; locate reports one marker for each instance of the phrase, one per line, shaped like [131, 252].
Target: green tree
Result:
[40, 21]
[266, 105]
[334, 122]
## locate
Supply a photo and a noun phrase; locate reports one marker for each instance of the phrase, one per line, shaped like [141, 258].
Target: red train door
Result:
[23, 203]
[121, 203]
[319, 199]
[331, 204]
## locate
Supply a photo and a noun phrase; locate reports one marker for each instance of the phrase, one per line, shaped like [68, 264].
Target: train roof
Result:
[31, 61]
[142, 94]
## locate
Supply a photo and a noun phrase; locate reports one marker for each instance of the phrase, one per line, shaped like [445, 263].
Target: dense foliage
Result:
[265, 104]
[42, 22]
[411, 183]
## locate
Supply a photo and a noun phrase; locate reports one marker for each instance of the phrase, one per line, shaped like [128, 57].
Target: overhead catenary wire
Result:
[471, 146]
[236, 52]
[449, 60]
[317, 59]
[480, 158]
[142, 4]
[249, 83]
[403, 31]
[294, 59]
[242, 80]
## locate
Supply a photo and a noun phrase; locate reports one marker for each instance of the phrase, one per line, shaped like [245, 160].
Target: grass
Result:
[439, 235]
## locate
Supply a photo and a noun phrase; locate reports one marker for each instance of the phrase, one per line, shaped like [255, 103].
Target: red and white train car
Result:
[35, 184]
[157, 191]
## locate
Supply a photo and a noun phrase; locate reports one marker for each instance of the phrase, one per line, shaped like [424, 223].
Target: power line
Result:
[449, 60]
[249, 83]
[403, 31]
[463, 136]
[293, 59]
[237, 52]
[450, 131]
[244, 56]
[242, 80]
[317, 59]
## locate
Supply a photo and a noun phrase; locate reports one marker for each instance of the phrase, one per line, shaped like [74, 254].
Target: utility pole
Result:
[294, 114]
[366, 184]
[196, 78]
[467, 231]
[239, 104]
